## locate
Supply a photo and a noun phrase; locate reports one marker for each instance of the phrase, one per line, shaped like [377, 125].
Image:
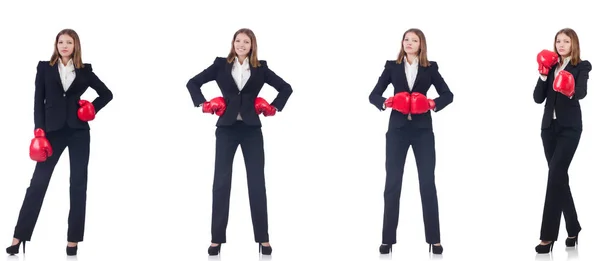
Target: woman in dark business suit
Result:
[411, 74]
[562, 83]
[240, 77]
[61, 120]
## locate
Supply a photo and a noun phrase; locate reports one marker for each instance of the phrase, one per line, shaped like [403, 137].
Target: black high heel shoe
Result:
[265, 250]
[71, 251]
[438, 250]
[571, 242]
[385, 249]
[544, 249]
[14, 249]
[214, 250]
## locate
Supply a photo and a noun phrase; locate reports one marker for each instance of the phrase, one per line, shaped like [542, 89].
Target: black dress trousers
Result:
[78, 141]
[423, 143]
[250, 138]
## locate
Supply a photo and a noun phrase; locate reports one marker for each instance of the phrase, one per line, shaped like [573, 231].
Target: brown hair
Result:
[76, 55]
[423, 61]
[252, 55]
[575, 59]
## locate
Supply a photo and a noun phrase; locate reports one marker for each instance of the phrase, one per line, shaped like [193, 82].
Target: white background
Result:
[152, 154]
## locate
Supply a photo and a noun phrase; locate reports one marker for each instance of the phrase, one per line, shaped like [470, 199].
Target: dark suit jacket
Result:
[568, 111]
[54, 108]
[237, 101]
[426, 76]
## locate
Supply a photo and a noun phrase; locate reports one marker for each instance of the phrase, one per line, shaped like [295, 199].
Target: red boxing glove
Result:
[564, 83]
[40, 148]
[419, 103]
[262, 106]
[215, 106]
[86, 111]
[399, 102]
[546, 59]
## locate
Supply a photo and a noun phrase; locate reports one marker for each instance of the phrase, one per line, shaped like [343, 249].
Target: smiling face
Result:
[65, 45]
[411, 43]
[563, 45]
[242, 44]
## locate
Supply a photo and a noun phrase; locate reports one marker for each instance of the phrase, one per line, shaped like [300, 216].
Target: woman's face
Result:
[242, 45]
[563, 45]
[65, 45]
[411, 43]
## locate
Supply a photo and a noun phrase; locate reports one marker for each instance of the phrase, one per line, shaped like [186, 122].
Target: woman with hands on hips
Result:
[411, 74]
[240, 78]
[61, 120]
[562, 83]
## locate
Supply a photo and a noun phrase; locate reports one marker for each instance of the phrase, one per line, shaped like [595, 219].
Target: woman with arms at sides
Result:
[240, 78]
[562, 83]
[412, 74]
[61, 120]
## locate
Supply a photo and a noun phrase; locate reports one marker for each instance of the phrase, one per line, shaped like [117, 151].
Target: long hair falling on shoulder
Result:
[423, 61]
[76, 55]
[252, 55]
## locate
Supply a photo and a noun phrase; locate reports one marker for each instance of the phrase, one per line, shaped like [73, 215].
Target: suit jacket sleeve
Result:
[104, 94]
[283, 88]
[445, 95]
[385, 79]
[541, 90]
[207, 75]
[582, 79]
[39, 109]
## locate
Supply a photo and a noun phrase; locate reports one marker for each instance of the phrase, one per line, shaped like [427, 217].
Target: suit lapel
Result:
[56, 76]
[228, 74]
[403, 75]
[420, 72]
[253, 72]
[402, 69]
[229, 70]
[77, 76]
[569, 68]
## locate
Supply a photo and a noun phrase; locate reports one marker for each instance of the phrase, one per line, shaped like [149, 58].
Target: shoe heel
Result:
[265, 250]
[214, 250]
[438, 250]
[544, 249]
[72, 251]
[14, 249]
[571, 242]
[385, 249]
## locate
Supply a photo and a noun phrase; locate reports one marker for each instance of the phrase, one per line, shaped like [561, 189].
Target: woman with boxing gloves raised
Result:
[61, 120]
[562, 83]
[411, 74]
[240, 78]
